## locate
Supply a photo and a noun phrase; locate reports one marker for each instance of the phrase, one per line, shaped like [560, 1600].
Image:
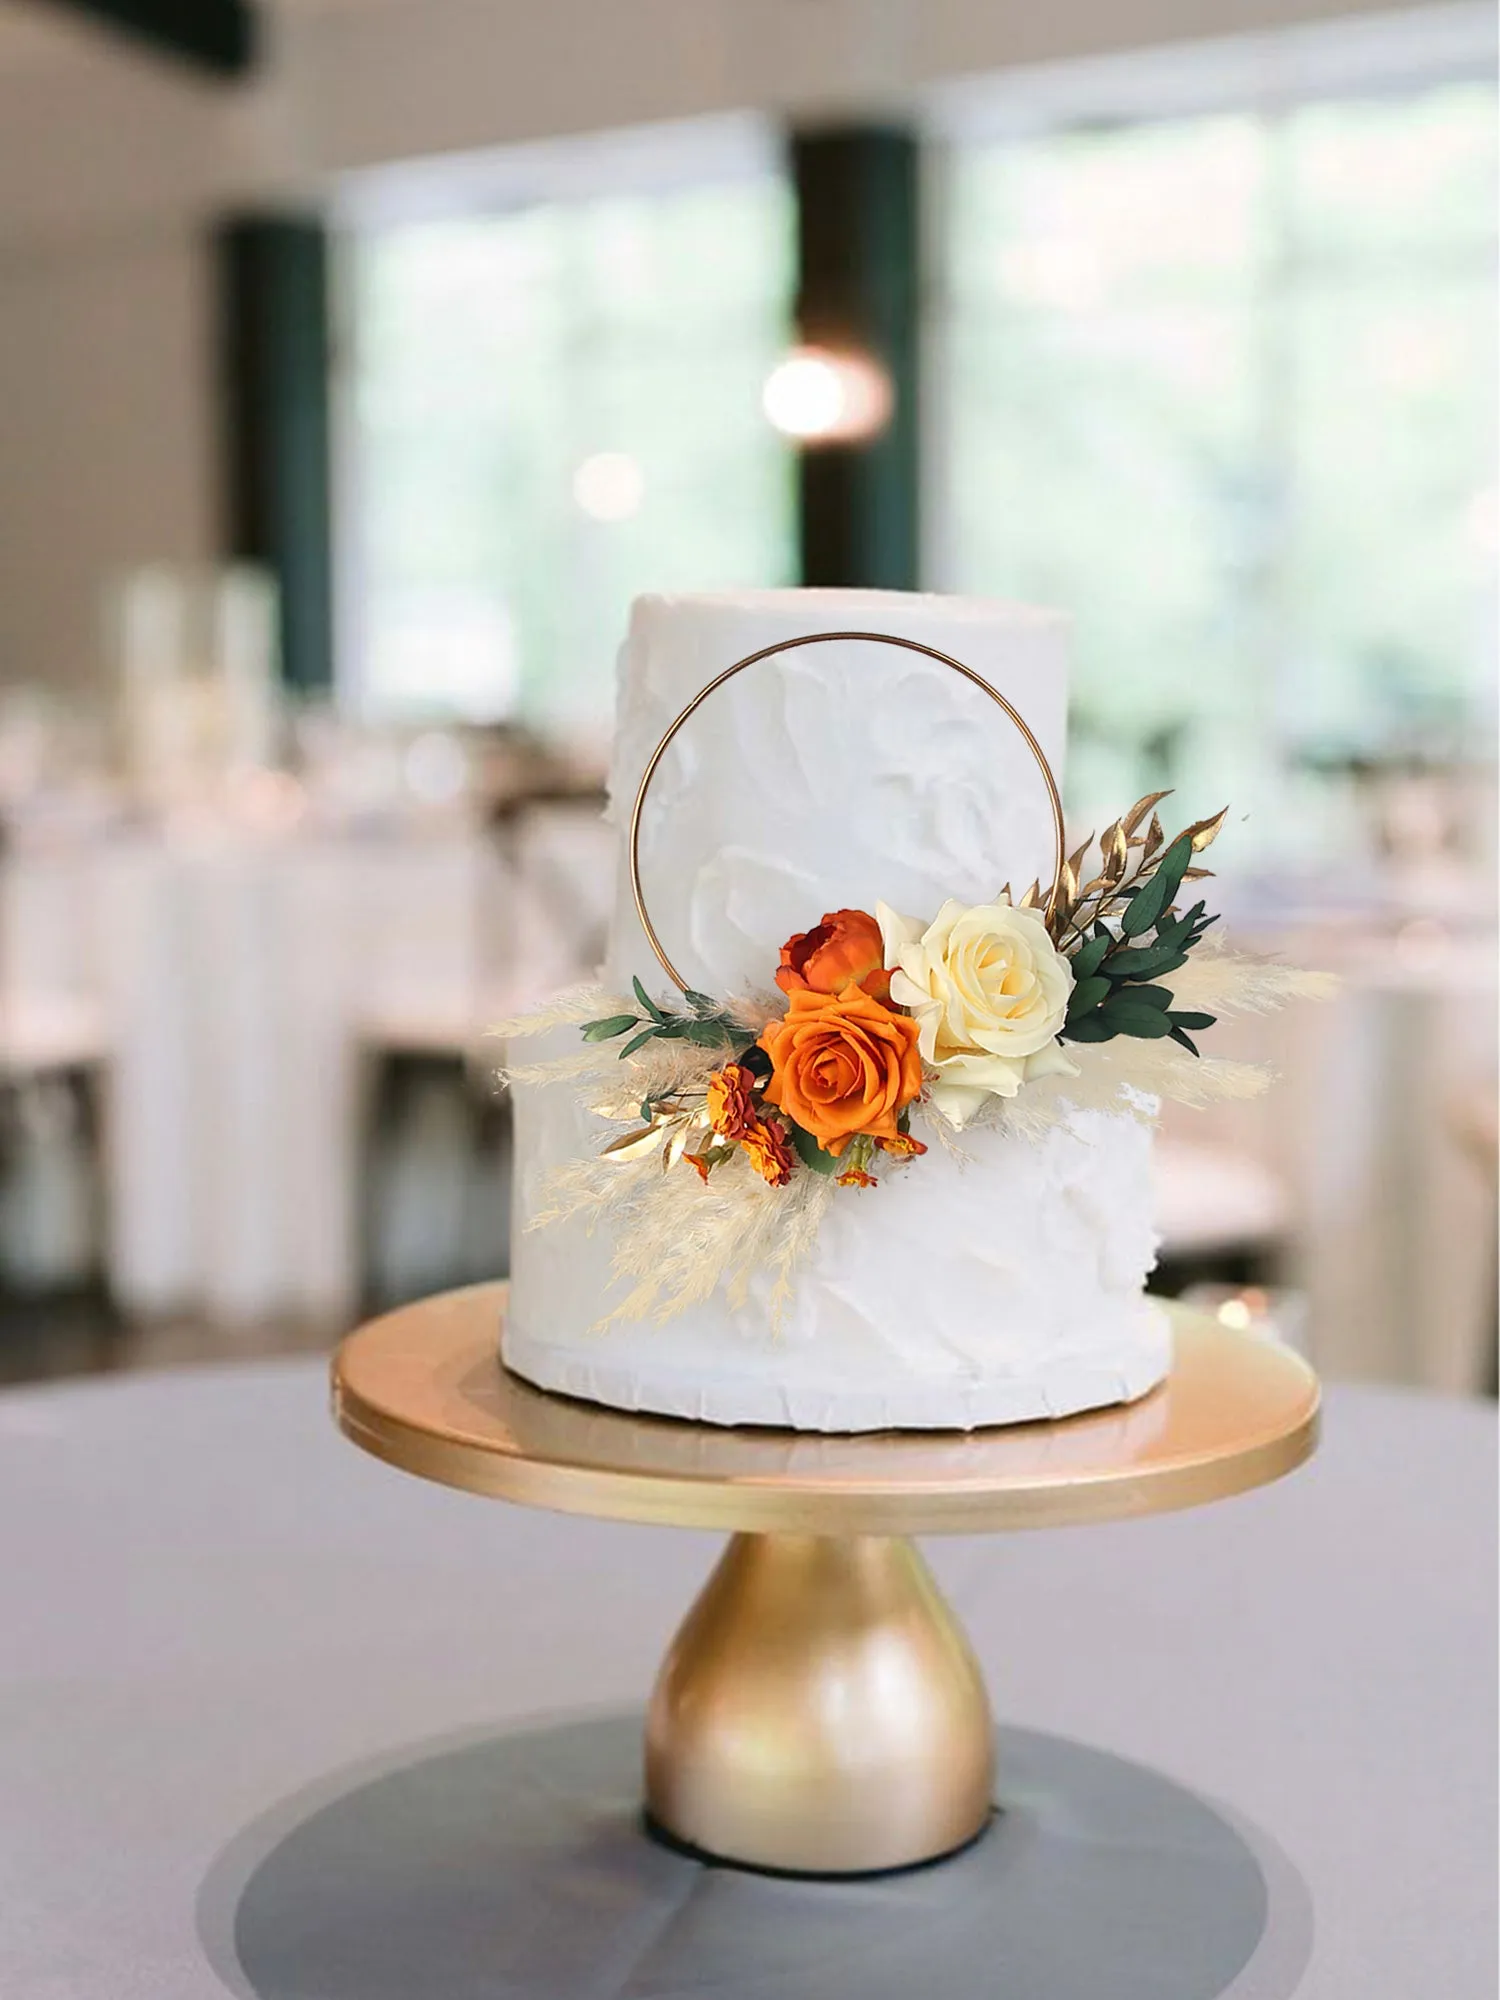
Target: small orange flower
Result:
[902, 1147]
[842, 1066]
[765, 1140]
[845, 949]
[730, 1106]
[856, 1177]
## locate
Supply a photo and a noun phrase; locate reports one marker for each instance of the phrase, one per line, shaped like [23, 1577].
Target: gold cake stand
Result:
[820, 1711]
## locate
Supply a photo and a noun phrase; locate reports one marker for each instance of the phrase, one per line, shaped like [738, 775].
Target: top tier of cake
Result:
[826, 777]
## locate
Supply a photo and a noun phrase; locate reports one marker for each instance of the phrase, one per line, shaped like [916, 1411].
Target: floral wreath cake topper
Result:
[1011, 1011]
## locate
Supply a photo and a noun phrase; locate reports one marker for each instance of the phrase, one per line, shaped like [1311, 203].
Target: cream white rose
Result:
[989, 991]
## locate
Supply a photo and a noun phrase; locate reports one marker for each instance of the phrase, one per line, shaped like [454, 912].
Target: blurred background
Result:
[360, 359]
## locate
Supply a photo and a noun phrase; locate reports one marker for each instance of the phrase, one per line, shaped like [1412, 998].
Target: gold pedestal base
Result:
[820, 1712]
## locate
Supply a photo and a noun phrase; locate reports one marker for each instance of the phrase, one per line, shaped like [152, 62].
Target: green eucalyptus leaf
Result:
[1172, 934]
[1088, 957]
[607, 1029]
[647, 1002]
[637, 1041]
[1147, 906]
[710, 1034]
[1186, 1040]
[1091, 1027]
[1087, 993]
[1145, 962]
[1146, 1024]
[1147, 996]
[810, 1152]
[1193, 1020]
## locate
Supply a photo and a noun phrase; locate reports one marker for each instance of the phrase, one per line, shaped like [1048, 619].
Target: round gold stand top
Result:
[423, 1388]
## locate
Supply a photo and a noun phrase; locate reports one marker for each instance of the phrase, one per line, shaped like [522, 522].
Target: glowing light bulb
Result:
[609, 486]
[824, 396]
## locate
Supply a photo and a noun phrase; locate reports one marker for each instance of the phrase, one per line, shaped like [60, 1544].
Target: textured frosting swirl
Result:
[830, 776]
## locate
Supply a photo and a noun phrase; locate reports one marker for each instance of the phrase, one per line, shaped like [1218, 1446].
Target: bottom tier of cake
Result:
[996, 1287]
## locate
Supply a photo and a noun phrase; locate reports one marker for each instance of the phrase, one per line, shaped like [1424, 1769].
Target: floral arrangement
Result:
[1013, 1010]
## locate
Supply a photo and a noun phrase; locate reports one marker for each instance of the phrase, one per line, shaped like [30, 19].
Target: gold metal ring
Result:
[824, 639]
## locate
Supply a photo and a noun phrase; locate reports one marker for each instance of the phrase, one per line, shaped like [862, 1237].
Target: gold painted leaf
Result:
[618, 1109]
[1154, 835]
[634, 1145]
[1075, 859]
[1139, 810]
[1205, 831]
[1114, 845]
[1197, 874]
[1032, 897]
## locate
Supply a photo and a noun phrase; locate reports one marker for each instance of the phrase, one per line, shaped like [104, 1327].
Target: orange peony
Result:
[841, 1064]
[730, 1106]
[766, 1142]
[845, 949]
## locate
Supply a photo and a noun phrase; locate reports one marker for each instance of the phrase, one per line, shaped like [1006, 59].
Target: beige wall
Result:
[112, 166]
[105, 434]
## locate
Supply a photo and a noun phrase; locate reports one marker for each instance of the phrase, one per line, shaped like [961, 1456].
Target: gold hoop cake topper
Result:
[823, 639]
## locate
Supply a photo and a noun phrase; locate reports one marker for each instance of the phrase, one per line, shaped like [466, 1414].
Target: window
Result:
[1221, 386]
[550, 407]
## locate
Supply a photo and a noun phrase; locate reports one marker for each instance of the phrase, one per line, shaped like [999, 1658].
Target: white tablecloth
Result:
[242, 980]
[1370, 1130]
[217, 1610]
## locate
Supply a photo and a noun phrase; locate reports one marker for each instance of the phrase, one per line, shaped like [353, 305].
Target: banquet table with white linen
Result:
[244, 979]
[218, 1613]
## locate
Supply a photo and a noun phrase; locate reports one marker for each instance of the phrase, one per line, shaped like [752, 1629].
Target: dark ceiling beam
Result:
[214, 35]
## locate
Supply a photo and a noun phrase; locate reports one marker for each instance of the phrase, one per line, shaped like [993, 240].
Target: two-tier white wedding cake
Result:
[1002, 1277]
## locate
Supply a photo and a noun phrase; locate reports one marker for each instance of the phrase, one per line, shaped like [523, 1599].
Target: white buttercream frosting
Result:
[996, 1287]
[826, 777]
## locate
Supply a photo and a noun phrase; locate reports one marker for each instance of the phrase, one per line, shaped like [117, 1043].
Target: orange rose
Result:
[845, 949]
[765, 1140]
[841, 1065]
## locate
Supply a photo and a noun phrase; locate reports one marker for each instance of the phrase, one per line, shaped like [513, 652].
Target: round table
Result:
[219, 1619]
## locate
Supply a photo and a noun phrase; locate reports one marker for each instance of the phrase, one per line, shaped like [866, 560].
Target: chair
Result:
[1222, 1215]
[438, 1127]
[54, 1052]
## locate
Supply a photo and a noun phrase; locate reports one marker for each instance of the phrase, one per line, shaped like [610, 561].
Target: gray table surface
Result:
[212, 1606]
